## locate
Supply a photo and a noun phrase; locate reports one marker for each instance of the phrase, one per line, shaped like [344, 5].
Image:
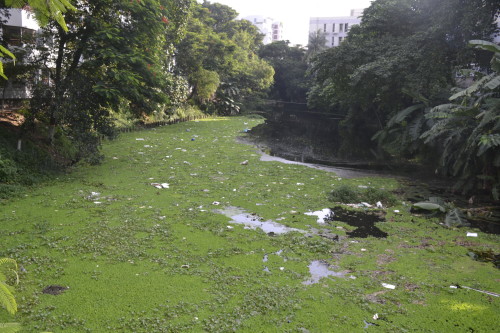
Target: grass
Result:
[160, 260]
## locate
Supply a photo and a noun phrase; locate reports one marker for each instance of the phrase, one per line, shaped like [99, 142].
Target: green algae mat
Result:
[182, 229]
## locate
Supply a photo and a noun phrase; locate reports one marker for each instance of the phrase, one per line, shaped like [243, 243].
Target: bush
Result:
[8, 170]
[350, 194]
[8, 191]
[344, 193]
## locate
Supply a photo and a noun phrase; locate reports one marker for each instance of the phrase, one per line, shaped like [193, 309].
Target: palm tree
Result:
[316, 44]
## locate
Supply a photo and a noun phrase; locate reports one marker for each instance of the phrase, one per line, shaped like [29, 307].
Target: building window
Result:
[341, 27]
[346, 27]
[16, 36]
[333, 27]
[340, 40]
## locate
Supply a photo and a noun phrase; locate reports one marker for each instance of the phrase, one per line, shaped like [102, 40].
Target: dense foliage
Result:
[141, 58]
[219, 51]
[403, 52]
[290, 66]
[400, 62]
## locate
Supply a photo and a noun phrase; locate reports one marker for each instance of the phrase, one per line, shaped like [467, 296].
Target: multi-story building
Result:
[18, 29]
[269, 27]
[335, 29]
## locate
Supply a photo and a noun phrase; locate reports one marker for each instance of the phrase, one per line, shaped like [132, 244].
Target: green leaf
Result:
[3, 51]
[400, 116]
[485, 45]
[7, 300]
[429, 206]
[493, 83]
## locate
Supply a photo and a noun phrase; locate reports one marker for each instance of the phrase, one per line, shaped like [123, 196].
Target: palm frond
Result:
[400, 116]
[7, 299]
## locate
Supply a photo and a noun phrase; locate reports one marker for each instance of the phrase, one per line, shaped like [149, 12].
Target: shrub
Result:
[350, 194]
[8, 169]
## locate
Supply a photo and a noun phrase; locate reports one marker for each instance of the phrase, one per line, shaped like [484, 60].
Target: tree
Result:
[316, 44]
[217, 45]
[466, 130]
[290, 66]
[114, 54]
[403, 52]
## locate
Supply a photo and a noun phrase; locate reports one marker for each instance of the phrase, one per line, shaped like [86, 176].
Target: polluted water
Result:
[319, 270]
[250, 221]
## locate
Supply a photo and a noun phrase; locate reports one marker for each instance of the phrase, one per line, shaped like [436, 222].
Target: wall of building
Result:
[22, 18]
[269, 27]
[335, 29]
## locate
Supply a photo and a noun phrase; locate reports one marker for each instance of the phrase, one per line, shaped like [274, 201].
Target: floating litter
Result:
[321, 214]
[388, 286]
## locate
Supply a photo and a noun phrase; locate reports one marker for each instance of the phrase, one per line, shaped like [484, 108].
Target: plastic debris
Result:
[282, 268]
[388, 286]
[478, 290]
[321, 214]
[216, 203]
[244, 162]
[366, 204]
[379, 205]
[230, 227]
[363, 250]
[396, 211]
[375, 316]
[139, 139]
[160, 186]
[471, 234]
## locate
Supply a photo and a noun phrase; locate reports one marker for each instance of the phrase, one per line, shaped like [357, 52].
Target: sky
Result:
[294, 14]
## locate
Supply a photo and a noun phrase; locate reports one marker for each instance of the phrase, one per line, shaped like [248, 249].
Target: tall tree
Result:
[290, 66]
[219, 52]
[316, 44]
[114, 53]
[404, 51]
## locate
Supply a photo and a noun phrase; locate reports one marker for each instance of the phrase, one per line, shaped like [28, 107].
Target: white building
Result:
[269, 27]
[335, 29]
[19, 28]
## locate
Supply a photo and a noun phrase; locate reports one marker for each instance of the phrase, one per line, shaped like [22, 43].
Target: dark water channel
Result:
[313, 140]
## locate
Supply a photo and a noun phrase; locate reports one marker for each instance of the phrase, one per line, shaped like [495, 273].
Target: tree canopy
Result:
[218, 50]
[403, 52]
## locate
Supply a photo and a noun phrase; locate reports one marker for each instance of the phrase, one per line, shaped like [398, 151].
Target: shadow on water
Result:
[363, 221]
